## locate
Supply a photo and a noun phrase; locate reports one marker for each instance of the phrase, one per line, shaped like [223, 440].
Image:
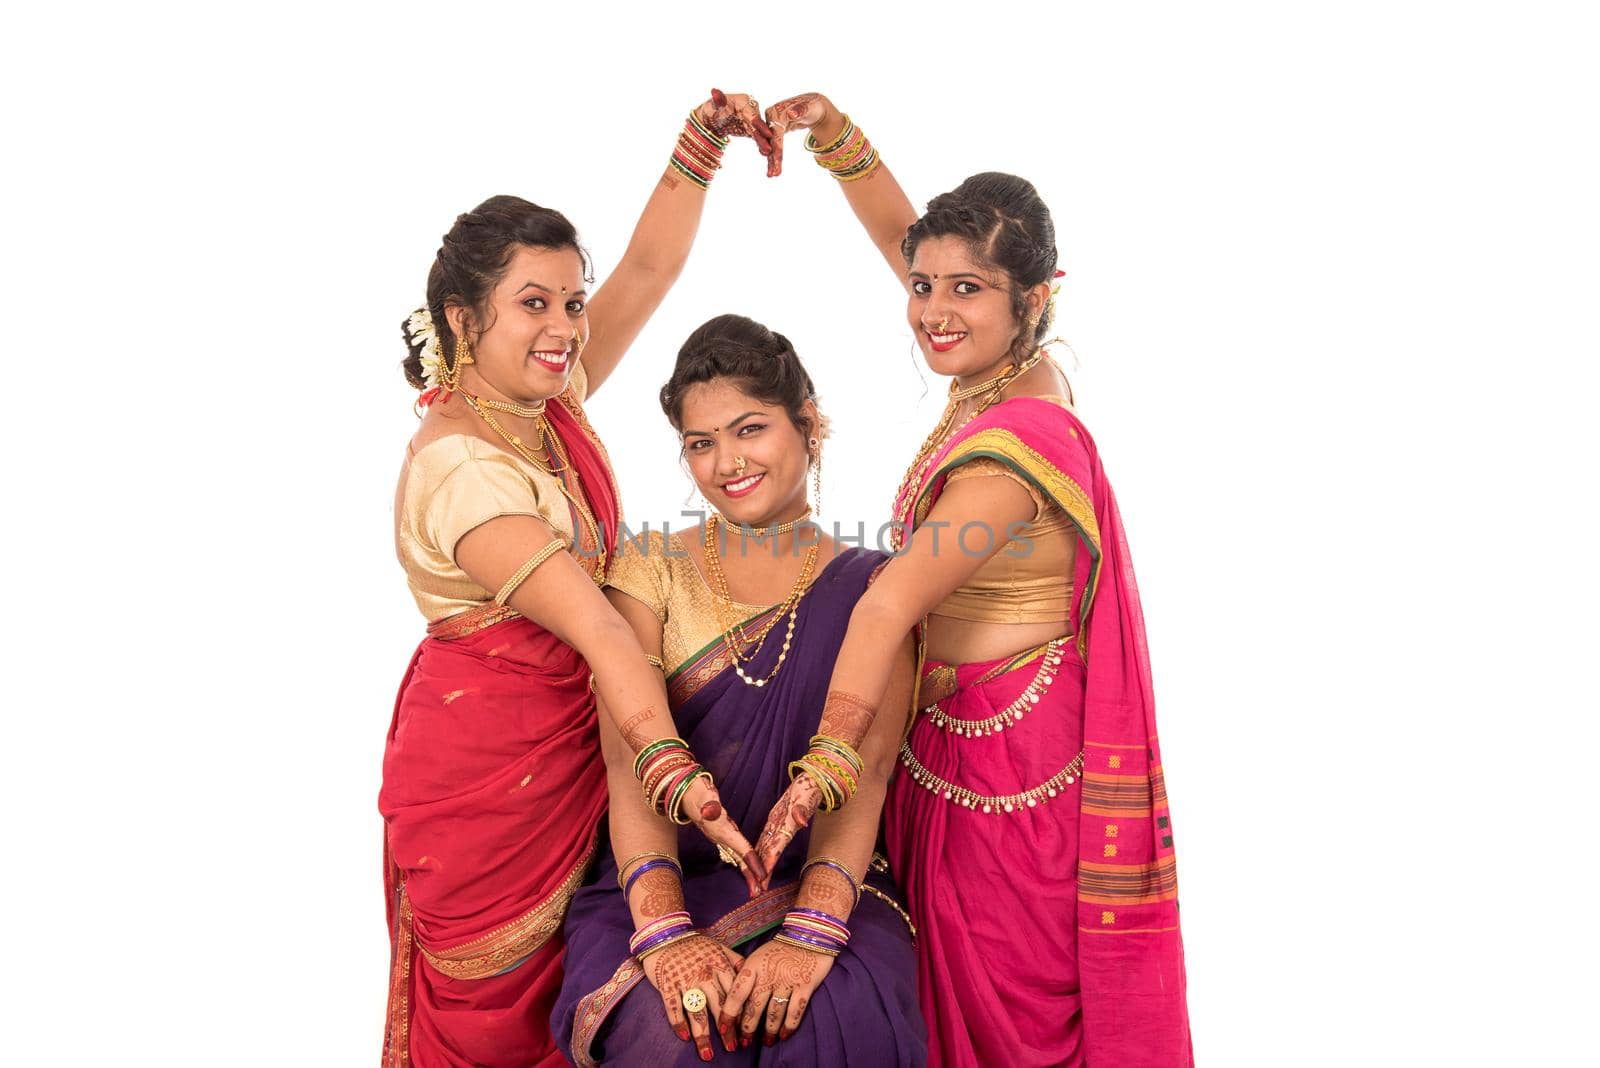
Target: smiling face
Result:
[721, 424]
[534, 319]
[961, 310]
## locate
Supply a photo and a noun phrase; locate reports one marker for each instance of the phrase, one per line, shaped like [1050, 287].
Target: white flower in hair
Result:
[424, 338]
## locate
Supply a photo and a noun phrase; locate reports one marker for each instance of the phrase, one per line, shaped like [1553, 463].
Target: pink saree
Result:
[1043, 883]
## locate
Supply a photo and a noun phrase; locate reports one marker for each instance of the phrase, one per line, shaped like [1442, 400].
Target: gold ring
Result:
[694, 999]
[730, 857]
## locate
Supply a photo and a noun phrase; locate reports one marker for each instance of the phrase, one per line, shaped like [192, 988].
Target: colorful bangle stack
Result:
[698, 154]
[666, 769]
[658, 934]
[849, 157]
[834, 766]
[829, 862]
[815, 930]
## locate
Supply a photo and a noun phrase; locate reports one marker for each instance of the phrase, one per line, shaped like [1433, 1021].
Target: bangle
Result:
[657, 746]
[674, 808]
[623, 867]
[848, 129]
[526, 569]
[649, 865]
[838, 866]
[698, 154]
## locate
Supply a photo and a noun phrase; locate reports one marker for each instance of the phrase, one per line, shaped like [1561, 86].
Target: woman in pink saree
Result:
[1029, 824]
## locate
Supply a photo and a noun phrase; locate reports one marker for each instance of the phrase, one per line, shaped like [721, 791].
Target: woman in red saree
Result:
[1029, 822]
[493, 783]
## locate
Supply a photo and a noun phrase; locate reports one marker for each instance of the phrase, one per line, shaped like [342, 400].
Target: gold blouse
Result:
[455, 484]
[1028, 581]
[660, 575]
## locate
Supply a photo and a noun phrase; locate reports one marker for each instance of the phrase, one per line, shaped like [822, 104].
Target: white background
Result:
[1331, 281]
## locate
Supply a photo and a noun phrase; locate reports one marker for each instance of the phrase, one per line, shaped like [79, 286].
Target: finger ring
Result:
[785, 834]
[694, 999]
[781, 1001]
[730, 857]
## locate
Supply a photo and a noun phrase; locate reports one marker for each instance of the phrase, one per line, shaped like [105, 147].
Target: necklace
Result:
[943, 431]
[766, 532]
[560, 467]
[733, 634]
[1013, 712]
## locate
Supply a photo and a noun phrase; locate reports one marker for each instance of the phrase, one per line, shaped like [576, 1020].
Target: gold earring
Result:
[450, 377]
[816, 474]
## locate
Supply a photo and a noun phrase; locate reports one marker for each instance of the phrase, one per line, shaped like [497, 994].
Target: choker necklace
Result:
[765, 532]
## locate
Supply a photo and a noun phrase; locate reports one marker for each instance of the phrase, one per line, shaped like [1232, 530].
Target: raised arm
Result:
[665, 232]
[647, 867]
[836, 867]
[875, 196]
[934, 565]
[561, 597]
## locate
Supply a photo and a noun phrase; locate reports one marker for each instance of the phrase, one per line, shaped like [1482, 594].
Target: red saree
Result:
[493, 786]
[1047, 907]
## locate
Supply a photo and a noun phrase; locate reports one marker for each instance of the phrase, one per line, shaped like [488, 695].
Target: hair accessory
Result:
[421, 335]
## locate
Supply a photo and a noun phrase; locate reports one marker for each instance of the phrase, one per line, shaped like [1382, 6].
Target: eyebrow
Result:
[546, 289]
[731, 425]
[968, 274]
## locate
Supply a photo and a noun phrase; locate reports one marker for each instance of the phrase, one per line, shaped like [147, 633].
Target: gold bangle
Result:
[841, 865]
[527, 569]
[816, 148]
[622, 869]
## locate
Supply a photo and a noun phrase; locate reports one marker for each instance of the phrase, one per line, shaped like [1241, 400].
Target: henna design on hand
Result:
[660, 892]
[826, 889]
[846, 716]
[633, 729]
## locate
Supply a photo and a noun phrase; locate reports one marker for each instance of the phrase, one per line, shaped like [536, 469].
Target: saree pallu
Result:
[493, 788]
[1049, 933]
[865, 1012]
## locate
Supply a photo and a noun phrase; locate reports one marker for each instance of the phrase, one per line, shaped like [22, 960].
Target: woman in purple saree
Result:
[742, 403]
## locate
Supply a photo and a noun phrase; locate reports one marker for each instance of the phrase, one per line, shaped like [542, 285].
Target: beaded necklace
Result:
[560, 468]
[943, 431]
[733, 634]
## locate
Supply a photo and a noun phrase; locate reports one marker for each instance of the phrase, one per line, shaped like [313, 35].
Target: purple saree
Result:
[865, 1012]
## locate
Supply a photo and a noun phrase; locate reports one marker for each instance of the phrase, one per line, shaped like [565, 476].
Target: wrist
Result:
[828, 128]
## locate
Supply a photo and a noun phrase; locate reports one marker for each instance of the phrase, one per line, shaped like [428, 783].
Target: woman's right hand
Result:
[738, 115]
[793, 811]
[703, 806]
[701, 963]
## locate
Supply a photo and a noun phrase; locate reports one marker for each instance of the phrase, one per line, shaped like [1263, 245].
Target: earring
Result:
[450, 377]
[816, 474]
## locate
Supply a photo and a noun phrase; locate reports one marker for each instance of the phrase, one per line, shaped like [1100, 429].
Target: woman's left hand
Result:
[771, 992]
[794, 810]
[738, 115]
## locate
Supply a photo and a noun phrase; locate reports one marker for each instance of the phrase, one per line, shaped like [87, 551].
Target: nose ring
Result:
[944, 323]
[738, 466]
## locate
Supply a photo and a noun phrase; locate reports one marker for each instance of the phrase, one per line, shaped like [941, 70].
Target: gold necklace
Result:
[765, 532]
[552, 443]
[943, 431]
[733, 634]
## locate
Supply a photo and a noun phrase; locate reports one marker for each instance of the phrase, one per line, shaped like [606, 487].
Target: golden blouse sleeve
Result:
[639, 570]
[983, 467]
[478, 489]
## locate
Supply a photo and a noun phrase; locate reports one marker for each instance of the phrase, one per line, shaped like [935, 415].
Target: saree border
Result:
[510, 943]
[1004, 446]
[470, 621]
[742, 924]
[706, 664]
[1128, 884]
